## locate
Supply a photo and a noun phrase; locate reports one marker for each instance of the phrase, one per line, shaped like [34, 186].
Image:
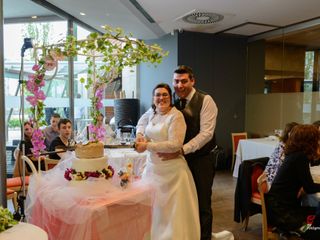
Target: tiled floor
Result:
[223, 206]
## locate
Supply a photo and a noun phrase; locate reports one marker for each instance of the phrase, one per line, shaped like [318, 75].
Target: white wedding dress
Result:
[175, 211]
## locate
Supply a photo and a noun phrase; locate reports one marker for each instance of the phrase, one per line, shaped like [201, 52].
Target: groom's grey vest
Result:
[192, 117]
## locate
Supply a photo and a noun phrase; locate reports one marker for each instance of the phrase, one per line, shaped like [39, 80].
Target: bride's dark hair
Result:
[167, 87]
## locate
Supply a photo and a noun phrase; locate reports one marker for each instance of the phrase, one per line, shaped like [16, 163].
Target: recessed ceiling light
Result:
[82, 14]
[34, 17]
[202, 18]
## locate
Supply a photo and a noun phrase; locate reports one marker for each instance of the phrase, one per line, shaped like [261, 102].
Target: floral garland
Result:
[72, 174]
[34, 85]
[96, 132]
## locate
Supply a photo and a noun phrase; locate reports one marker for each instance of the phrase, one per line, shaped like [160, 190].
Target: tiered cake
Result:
[89, 157]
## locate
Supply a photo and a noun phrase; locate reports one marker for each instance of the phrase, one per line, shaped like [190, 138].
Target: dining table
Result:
[254, 148]
[93, 209]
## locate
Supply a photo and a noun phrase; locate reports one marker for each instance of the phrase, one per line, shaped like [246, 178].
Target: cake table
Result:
[89, 210]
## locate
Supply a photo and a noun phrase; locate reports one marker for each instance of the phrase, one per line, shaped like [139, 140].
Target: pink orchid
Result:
[31, 86]
[96, 133]
[32, 100]
[37, 142]
[36, 67]
[99, 105]
[40, 95]
[31, 76]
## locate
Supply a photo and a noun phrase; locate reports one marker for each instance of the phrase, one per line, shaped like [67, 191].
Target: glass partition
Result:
[56, 89]
[283, 80]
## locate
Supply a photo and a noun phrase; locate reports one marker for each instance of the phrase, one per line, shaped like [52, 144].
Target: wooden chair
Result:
[18, 167]
[11, 194]
[50, 163]
[257, 170]
[235, 137]
[16, 183]
[30, 163]
[266, 229]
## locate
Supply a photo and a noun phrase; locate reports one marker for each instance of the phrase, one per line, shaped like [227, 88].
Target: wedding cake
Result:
[89, 162]
[89, 157]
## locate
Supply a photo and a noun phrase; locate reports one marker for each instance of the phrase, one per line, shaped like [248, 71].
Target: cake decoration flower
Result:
[125, 175]
[124, 178]
[72, 174]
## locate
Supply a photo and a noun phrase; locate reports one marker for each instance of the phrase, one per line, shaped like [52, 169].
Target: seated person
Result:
[84, 135]
[277, 156]
[283, 205]
[17, 171]
[51, 131]
[62, 142]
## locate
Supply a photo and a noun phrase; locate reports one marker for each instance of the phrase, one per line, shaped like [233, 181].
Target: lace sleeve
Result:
[143, 121]
[176, 133]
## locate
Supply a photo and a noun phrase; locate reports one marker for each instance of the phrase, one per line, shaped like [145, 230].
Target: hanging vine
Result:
[115, 51]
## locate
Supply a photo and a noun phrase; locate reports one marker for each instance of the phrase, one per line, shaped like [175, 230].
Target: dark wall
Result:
[256, 63]
[149, 76]
[219, 64]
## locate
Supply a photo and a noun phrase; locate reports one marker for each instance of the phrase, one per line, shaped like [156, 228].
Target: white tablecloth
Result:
[253, 148]
[24, 231]
[119, 157]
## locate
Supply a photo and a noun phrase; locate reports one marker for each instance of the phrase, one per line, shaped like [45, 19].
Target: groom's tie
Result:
[181, 103]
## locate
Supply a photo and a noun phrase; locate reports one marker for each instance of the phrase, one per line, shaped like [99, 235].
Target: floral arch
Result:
[116, 51]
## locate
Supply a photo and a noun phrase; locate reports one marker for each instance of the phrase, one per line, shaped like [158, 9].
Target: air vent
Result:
[202, 18]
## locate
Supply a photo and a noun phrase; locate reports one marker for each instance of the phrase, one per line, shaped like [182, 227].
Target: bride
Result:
[162, 129]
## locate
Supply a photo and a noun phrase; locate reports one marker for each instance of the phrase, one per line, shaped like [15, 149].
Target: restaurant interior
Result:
[258, 60]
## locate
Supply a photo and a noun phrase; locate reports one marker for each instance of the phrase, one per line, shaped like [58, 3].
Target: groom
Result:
[200, 113]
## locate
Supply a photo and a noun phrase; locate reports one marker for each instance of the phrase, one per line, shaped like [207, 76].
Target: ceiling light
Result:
[34, 17]
[202, 18]
[82, 14]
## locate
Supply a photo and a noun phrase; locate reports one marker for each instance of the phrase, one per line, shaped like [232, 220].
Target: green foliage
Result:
[113, 48]
[6, 219]
[117, 51]
[14, 123]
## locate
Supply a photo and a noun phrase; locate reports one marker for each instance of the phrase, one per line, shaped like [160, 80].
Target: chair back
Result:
[50, 163]
[263, 188]
[18, 166]
[30, 163]
[236, 137]
[257, 170]
[11, 194]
